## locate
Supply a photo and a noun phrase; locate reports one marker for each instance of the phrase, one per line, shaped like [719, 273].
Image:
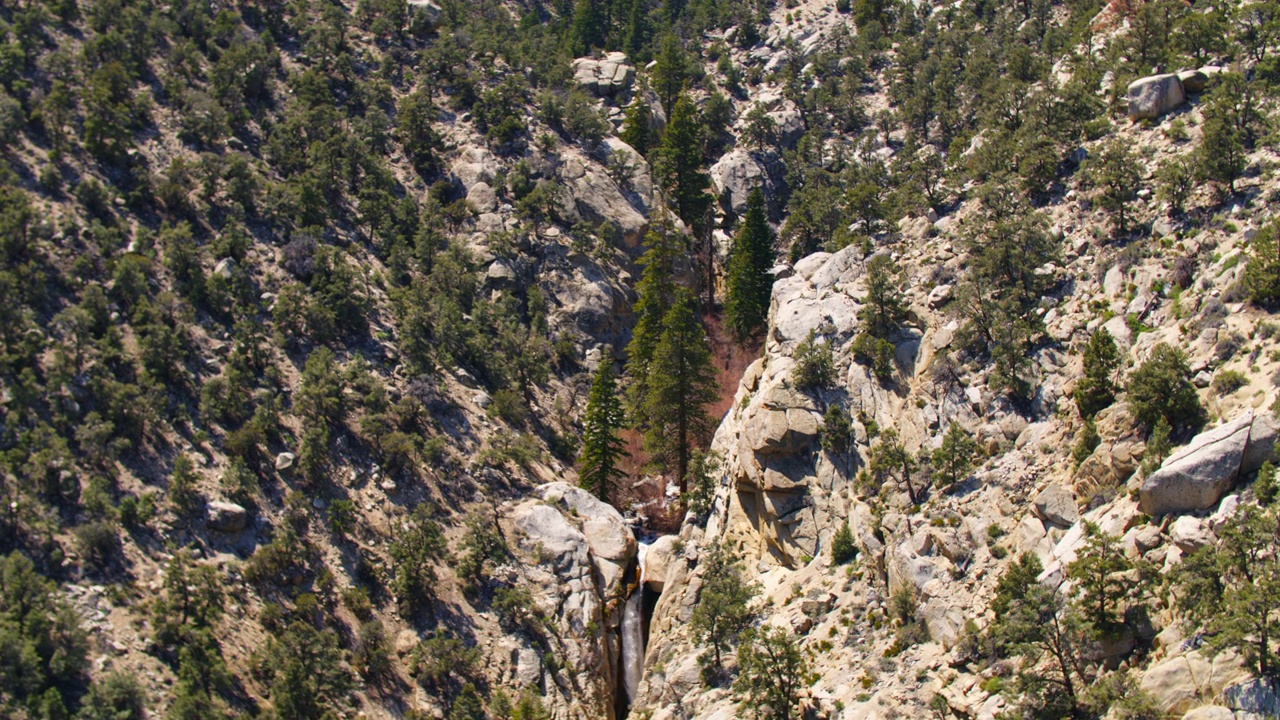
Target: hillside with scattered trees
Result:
[592, 359]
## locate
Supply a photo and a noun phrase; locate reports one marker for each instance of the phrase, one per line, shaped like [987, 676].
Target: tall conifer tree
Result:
[670, 73]
[655, 293]
[749, 285]
[601, 446]
[635, 36]
[680, 163]
[681, 383]
[588, 29]
[635, 126]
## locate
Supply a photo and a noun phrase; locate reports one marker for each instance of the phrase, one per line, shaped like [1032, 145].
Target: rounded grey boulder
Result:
[1197, 476]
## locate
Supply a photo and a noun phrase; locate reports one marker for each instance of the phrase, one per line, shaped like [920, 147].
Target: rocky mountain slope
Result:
[304, 301]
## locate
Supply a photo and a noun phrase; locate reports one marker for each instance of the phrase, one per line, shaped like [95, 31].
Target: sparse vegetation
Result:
[298, 301]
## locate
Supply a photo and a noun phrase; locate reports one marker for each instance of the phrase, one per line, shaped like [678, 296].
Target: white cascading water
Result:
[632, 632]
[633, 643]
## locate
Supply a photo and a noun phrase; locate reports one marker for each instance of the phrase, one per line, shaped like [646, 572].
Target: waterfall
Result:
[632, 632]
[633, 642]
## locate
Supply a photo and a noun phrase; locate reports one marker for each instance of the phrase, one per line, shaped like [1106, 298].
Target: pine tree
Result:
[721, 613]
[773, 671]
[1102, 579]
[1037, 623]
[467, 705]
[1116, 177]
[679, 163]
[837, 437]
[843, 548]
[601, 446]
[954, 458]
[588, 27]
[670, 73]
[1220, 157]
[1161, 388]
[890, 460]
[635, 126]
[761, 131]
[1262, 274]
[635, 38]
[1232, 589]
[749, 285]
[655, 292]
[884, 310]
[1097, 390]
[815, 367]
[681, 382]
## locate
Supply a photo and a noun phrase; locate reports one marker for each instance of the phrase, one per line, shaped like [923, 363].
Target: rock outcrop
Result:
[582, 559]
[1210, 712]
[606, 77]
[226, 517]
[739, 172]
[590, 194]
[426, 11]
[1153, 96]
[1197, 476]
[1259, 696]
[1057, 505]
[1182, 683]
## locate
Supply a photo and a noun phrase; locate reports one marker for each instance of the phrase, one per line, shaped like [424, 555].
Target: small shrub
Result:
[98, 542]
[441, 661]
[1229, 381]
[342, 517]
[515, 607]
[876, 353]
[357, 601]
[815, 366]
[136, 512]
[843, 548]
[508, 405]
[371, 654]
[1086, 443]
[1265, 487]
[1228, 346]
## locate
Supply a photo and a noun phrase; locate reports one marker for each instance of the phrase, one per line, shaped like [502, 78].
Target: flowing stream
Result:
[633, 643]
[632, 634]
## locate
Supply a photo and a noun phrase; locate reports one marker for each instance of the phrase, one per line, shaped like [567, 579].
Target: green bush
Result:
[443, 662]
[116, 696]
[515, 608]
[342, 517]
[482, 546]
[99, 544]
[1161, 388]
[1265, 486]
[876, 353]
[357, 601]
[371, 653]
[843, 548]
[815, 366]
[1086, 443]
[136, 512]
[508, 405]
[1229, 381]
[46, 652]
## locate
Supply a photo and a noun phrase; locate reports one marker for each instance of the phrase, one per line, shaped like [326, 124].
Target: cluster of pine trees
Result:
[669, 375]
